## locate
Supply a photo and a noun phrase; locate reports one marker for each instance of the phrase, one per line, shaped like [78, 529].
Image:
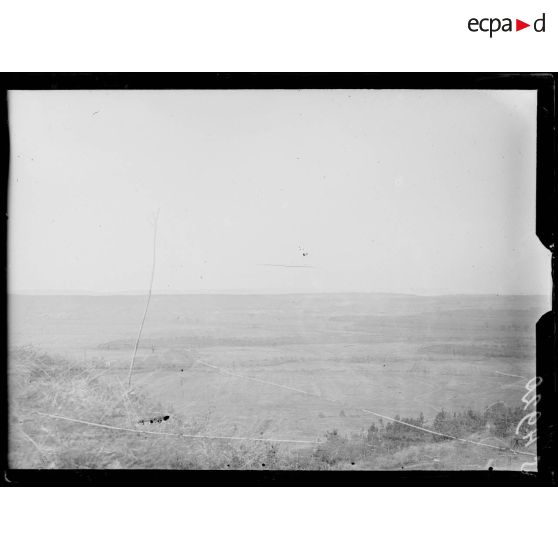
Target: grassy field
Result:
[69, 415]
[279, 367]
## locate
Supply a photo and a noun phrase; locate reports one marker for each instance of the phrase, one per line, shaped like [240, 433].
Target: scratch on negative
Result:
[281, 265]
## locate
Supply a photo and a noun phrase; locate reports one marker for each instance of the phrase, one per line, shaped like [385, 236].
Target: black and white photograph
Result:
[279, 279]
[274, 279]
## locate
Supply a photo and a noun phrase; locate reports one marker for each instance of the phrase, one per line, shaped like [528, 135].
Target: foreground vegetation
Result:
[44, 388]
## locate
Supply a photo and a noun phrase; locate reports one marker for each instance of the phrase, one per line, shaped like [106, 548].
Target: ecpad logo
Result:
[492, 25]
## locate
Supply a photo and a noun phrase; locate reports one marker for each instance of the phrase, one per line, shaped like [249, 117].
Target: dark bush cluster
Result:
[498, 420]
[389, 437]
[396, 435]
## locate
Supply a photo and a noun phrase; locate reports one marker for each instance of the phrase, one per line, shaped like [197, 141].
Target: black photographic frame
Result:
[546, 230]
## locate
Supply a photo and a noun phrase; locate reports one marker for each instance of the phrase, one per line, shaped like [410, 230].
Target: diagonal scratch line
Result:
[147, 301]
[222, 370]
[512, 375]
[447, 435]
[219, 369]
[174, 434]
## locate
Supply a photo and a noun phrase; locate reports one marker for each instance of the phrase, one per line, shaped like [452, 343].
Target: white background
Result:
[253, 35]
[291, 35]
[277, 522]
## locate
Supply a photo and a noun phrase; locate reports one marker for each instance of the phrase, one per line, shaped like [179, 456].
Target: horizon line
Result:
[255, 293]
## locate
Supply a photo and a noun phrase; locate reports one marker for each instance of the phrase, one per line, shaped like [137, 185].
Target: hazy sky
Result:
[421, 192]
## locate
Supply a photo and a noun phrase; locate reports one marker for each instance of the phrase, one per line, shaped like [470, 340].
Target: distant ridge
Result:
[265, 293]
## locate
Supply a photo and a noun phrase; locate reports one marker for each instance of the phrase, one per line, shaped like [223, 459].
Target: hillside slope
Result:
[68, 415]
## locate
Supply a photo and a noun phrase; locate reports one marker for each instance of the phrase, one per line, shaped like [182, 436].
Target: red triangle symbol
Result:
[519, 25]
